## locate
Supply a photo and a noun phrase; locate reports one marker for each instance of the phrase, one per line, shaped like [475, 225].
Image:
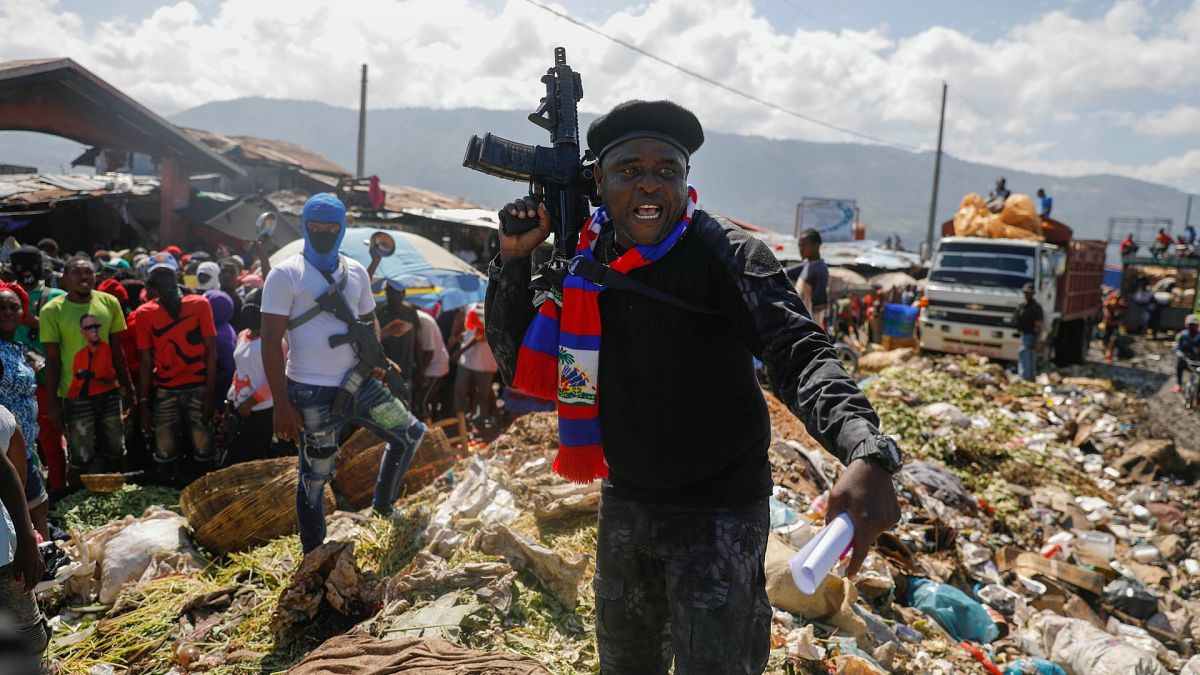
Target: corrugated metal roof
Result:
[472, 217]
[252, 149]
[31, 188]
[402, 197]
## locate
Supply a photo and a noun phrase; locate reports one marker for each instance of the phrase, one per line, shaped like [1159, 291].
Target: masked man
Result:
[305, 395]
[28, 266]
[677, 426]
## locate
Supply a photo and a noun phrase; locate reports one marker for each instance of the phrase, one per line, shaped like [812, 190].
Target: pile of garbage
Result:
[1017, 220]
[1039, 534]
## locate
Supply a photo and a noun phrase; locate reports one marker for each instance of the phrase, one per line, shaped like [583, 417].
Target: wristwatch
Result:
[881, 449]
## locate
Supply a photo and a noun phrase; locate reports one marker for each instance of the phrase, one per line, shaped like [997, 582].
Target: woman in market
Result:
[250, 435]
[18, 393]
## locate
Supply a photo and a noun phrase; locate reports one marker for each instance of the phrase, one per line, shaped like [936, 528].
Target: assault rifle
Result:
[555, 174]
[362, 337]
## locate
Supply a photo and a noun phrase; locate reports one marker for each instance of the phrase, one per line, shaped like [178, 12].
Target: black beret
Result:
[663, 120]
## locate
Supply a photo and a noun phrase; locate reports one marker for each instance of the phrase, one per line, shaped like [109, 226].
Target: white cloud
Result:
[1180, 120]
[453, 53]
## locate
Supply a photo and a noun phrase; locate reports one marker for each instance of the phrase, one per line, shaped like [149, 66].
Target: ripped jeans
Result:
[375, 409]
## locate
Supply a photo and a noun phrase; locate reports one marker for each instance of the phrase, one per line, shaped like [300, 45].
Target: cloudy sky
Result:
[1065, 87]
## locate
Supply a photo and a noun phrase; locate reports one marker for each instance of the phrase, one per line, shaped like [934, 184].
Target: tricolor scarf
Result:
[560, 355]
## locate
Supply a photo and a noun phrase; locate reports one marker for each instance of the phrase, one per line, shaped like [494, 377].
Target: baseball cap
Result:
[162, 260]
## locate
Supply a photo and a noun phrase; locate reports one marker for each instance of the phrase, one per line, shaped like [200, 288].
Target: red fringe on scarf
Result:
[583, 464]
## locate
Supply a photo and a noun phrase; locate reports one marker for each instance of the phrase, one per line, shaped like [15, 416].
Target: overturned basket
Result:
[105, 482]
[245, 505]
[358, 465]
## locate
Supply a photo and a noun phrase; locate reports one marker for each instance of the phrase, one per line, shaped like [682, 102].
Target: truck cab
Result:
[973, 290]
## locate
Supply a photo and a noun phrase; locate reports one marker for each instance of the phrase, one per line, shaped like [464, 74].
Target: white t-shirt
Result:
[431, 341]
[250, 378]
[478, 356]
[8, 533]
[291, 289]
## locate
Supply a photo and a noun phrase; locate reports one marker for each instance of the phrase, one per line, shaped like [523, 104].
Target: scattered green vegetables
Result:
[86, 510]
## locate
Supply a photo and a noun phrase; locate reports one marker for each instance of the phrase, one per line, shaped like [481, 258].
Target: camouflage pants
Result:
[682, 582]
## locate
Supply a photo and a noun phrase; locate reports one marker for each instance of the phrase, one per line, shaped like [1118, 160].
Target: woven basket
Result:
[245, 505]
[103, 482]
[358, 465]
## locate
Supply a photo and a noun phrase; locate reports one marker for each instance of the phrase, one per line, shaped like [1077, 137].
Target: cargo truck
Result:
[974, 287]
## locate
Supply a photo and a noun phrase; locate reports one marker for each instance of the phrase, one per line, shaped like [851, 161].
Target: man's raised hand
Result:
[523, 244]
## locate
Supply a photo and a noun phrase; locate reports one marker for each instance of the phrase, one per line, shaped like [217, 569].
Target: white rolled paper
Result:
[811, 563]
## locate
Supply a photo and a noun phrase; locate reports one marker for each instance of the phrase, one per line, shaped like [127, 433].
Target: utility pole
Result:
[937, 175]
[362, 124]
[1187, 217]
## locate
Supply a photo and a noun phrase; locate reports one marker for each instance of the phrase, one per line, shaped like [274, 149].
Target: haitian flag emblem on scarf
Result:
[560, 355]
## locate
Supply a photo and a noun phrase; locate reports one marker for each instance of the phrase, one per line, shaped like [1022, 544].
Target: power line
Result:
[794, 5]
[721, 85]
[973, 106]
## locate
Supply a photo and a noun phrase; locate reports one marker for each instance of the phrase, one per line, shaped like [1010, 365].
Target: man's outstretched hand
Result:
[866, 494]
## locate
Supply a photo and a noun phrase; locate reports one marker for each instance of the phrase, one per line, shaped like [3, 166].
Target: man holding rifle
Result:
[321, 300]
[658, 397]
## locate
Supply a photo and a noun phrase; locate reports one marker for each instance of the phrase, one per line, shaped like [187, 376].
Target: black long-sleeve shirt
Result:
[682, 417]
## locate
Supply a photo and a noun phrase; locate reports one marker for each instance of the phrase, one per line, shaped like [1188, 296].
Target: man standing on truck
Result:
[1128, 246]
[1028, 320]
[1045, 203]
[1162, 243]
[998, 196]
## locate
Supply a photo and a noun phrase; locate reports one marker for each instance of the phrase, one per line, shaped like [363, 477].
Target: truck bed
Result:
[1079, 288]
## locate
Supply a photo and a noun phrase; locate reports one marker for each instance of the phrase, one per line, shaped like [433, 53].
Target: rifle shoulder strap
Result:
[315, 311]
[610, 278]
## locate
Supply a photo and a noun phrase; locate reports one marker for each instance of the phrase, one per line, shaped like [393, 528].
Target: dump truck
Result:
[974, 287]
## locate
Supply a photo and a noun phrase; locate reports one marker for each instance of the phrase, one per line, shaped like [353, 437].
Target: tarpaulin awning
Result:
[451, 281]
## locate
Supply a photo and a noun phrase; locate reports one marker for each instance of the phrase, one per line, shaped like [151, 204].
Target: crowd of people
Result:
[1183, 245]
[158, 364]
[151, 361]
[846, 312]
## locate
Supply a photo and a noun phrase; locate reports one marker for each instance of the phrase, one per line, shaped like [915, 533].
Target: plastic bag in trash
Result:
[1084, 649]
[963, 617]
[1034, 667]
[938, 481]
[781, 514]
[1131, 597]
[130, 552]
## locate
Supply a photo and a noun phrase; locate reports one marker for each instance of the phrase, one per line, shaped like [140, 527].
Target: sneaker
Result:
[1177, 389]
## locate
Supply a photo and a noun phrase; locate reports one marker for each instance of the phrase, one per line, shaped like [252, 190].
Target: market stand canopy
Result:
[61, 97]
[446, 278]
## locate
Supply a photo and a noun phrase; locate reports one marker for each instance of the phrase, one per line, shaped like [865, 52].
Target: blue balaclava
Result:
[321, 250]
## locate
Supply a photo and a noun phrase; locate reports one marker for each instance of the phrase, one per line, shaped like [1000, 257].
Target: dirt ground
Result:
[1151, 374]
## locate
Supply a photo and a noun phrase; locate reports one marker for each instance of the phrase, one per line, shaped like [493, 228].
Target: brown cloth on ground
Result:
[361, 654]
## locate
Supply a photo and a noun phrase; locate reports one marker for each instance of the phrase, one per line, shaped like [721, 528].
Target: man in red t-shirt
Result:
[177, 338]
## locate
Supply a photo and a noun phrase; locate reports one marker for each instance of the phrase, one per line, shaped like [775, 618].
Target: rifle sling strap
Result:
[315, 311]
[610, 278]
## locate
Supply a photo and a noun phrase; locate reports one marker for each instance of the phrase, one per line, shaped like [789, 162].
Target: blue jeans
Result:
[376, 409]
[1027, 361]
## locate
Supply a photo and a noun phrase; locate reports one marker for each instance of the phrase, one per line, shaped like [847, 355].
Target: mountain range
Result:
[751, 178]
